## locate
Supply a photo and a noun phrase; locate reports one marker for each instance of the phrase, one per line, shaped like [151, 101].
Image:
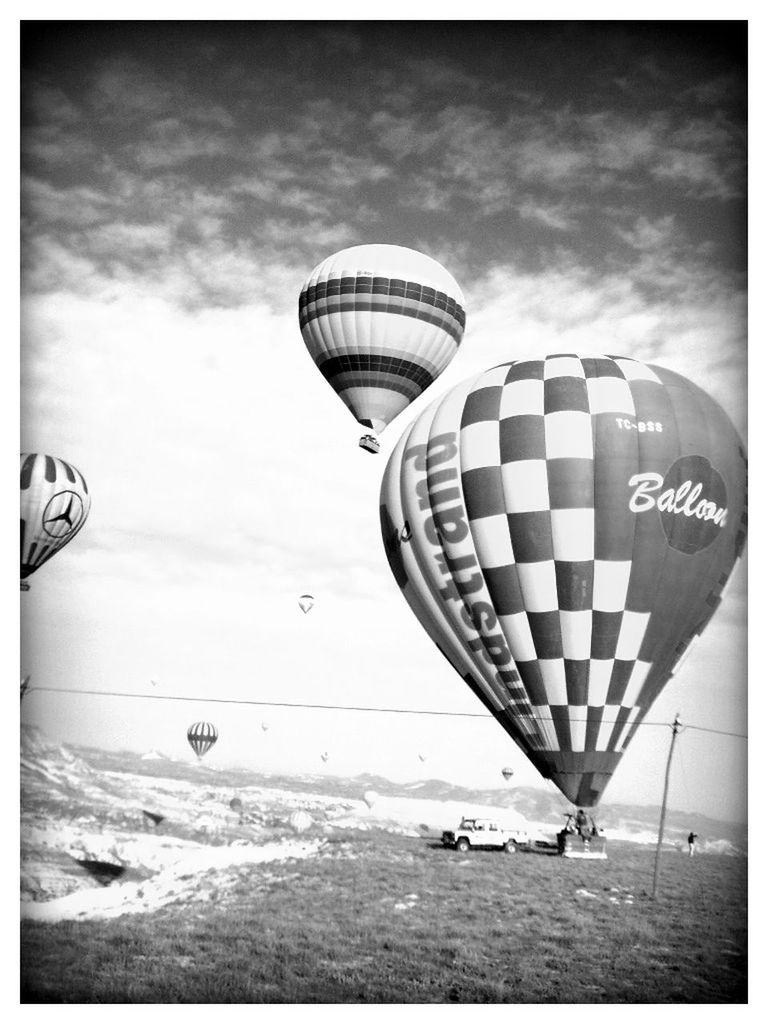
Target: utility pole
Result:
[675, 730]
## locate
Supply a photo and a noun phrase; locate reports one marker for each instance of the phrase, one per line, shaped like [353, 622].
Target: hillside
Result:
[105, 832]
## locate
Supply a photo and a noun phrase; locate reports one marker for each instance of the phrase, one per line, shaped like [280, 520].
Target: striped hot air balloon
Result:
[300, 821]
[381, 322]
[571, 525]
[54, 505]
[201, 736]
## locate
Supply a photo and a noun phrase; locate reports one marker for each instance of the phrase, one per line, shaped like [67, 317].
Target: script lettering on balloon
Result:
[691, 499]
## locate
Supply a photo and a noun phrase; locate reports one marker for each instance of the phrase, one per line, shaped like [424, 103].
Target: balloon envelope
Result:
[507, 773]
[305, 602]
[201, 736]
[572, 523]
[300, 821]
[381, 323]
[54, 506]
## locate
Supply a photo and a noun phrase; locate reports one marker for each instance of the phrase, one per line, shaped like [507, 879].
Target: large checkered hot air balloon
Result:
[54, 505]
[201, 736]
[381, 322]
[563, 529]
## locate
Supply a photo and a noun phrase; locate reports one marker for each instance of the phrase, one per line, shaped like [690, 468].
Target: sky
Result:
[585, 183]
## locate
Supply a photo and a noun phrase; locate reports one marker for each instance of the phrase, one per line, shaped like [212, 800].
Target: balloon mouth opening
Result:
[369, 444]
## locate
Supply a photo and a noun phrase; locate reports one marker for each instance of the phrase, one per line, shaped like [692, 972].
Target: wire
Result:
[327, 707]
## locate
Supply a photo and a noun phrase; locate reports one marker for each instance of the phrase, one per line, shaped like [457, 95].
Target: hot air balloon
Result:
[370, 796]
[236, 805]
[305, 602]
[381, 323]
[201, 737]
[573, 522]
[507, 773]
[54, 505]
[300, 821]
[324, 756]
[265, 726]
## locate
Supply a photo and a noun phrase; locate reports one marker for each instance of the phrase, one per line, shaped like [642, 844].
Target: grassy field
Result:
[387, 919]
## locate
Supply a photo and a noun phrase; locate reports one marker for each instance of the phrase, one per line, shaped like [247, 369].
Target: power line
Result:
[327, 707]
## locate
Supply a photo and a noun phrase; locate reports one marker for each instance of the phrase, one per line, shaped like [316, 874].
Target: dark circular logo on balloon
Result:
[692, 504]
[63, 514]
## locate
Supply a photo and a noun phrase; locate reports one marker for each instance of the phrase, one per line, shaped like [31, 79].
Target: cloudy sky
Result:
[585, 185]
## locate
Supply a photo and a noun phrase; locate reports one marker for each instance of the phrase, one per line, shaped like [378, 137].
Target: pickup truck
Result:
[485, 834]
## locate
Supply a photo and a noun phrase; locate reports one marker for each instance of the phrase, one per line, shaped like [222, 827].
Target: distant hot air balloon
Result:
[305, 602]
[324, 756]
[300, 821]
[573, 522]
[265, 726]
[54, 505]
[370, 796]
[381, 322]
[236, 804]
[201, 737]
[507, 773]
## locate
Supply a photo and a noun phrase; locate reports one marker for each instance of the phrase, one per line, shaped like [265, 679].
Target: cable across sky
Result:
[326, 707]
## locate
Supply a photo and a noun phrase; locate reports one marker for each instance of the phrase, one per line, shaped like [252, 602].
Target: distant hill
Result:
[533, 804]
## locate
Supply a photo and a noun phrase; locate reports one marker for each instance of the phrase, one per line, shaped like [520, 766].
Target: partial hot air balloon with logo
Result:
[201, 736]
[572, 523]
[381, 322]
[54, 506]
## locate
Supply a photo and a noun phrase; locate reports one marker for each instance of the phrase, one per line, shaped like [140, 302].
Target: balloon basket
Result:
[571, 844]
[369, 443]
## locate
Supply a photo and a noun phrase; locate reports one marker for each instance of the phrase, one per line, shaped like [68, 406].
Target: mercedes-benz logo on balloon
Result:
[63, 514]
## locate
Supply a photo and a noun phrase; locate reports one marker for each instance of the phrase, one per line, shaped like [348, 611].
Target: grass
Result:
[482, 928]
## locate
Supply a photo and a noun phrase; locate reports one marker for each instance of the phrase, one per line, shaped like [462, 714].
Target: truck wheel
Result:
[510, 846]
[462, 846]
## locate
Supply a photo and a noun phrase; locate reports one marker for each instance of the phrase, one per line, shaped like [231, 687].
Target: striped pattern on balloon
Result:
[381, 323]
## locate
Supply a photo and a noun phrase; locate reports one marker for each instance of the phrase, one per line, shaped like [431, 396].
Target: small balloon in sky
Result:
[54, 506]
[324, 756]
[381, 322]
[507, 773]
[306, 601]
[201, 736]
[574, 521]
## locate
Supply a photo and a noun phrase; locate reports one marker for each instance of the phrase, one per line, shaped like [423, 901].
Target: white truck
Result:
[485, 834]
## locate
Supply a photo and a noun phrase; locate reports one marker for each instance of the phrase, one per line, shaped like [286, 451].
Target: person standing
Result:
[692, 837]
